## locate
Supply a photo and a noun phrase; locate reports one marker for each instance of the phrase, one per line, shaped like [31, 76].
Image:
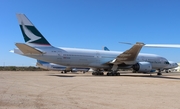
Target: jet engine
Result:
[142, 67]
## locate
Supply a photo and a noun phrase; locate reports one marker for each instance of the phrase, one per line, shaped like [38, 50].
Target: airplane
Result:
[37, 47]
[63, 69]
[171, 64]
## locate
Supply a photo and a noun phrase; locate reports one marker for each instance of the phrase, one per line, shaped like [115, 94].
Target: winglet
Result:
[30, 33]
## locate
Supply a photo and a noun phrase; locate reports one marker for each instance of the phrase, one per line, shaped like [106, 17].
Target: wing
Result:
[157, 45]
[163, 45]
[129, 56]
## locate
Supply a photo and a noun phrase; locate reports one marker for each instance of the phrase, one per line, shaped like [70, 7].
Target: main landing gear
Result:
[112, 73]
[159, 72]
[167, 71]
[64, 71]
[98, 73]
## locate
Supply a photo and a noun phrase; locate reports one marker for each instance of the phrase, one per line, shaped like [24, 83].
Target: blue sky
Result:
[92, 24]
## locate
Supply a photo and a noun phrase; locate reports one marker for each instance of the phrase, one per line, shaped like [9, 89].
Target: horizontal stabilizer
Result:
[26, 49]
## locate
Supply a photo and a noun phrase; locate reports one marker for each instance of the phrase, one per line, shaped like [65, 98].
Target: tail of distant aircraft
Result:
[105, 49]
[30, 33]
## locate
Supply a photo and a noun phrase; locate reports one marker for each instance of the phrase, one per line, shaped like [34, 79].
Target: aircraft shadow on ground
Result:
[62, 75]
[154, 76]
[124, 75]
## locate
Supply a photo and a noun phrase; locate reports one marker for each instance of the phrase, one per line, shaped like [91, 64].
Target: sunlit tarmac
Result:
[53, 90]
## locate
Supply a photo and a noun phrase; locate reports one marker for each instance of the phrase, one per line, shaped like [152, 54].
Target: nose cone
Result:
[176, 65]
[173, 64]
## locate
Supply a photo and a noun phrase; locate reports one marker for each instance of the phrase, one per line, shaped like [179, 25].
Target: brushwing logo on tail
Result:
[29, 34]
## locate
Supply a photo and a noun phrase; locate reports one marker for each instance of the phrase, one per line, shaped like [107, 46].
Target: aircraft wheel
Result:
[118, 74]
[134, 71]
[101, 73]
[159, 73]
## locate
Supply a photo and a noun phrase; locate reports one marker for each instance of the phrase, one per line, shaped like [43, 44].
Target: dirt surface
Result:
[52, 90]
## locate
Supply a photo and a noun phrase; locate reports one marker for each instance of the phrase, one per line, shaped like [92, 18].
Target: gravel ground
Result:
[53, 90]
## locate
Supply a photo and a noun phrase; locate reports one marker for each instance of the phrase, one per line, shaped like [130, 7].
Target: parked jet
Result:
[38, 47]
[65, 69]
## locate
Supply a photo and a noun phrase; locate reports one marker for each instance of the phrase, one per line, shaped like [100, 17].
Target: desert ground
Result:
[53, 90]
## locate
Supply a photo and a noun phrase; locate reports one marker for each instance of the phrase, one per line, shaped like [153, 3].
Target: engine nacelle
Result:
[142, 67]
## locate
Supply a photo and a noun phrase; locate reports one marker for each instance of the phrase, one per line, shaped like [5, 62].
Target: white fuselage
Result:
[89, 58]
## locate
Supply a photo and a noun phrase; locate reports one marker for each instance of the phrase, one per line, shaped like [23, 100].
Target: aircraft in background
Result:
[171, 65]
[37, 47]
[63, 69]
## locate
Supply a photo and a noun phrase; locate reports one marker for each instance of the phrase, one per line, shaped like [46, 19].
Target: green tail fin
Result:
[29, 31]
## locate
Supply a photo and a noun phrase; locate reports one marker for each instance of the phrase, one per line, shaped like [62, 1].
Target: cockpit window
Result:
[166, 62]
